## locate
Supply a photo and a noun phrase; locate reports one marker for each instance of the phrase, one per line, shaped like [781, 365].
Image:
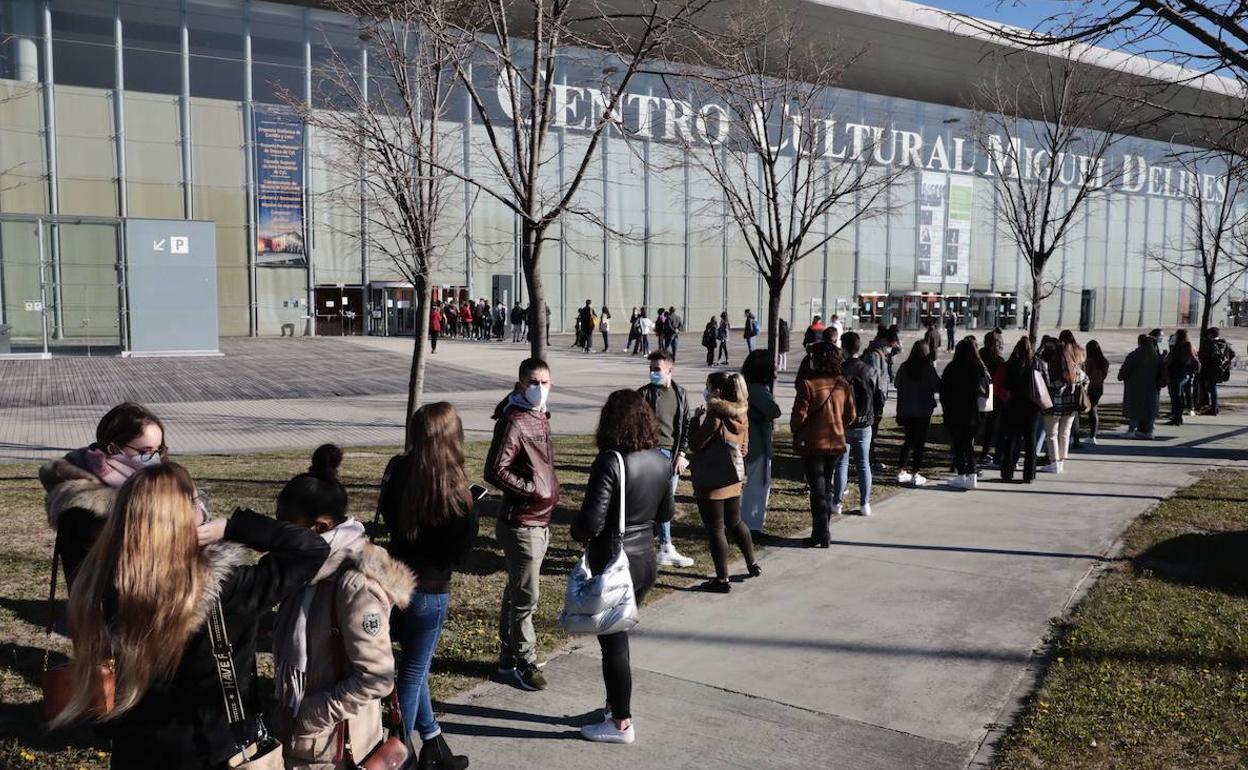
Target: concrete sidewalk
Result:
[896, 649]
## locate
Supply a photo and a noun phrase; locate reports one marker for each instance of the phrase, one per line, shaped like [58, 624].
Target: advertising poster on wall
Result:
[933, 199]
[957, 250]
[279, 186]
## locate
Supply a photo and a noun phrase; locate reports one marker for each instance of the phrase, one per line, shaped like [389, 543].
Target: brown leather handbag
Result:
[57, 682]
[395, 750]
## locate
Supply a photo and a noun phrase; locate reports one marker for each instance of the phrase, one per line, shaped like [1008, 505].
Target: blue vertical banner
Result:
[279, 186]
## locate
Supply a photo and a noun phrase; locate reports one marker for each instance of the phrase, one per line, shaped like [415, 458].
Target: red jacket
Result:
[435, 321]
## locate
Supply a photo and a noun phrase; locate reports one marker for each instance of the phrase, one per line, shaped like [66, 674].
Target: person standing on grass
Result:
[865, 384]
[427, 506]
[962, 384]
[1216, 359]
[82, 486]
[331, 640]
[1181, 366]
[709, 340]
[627, 432]
[782, 345]
[1097, 369]
[604, 325]
[823, 411]
[917, 387]
[759, 371]
[1018, 431]
[719, 441]
[721, 336]
[521, 464]
[670, 404]
[1140, 373]
[145, 598]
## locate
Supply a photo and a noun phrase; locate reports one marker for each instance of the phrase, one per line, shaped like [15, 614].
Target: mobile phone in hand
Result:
[478, 491]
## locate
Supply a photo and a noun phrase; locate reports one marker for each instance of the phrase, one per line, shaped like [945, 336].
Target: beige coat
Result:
[369, 583]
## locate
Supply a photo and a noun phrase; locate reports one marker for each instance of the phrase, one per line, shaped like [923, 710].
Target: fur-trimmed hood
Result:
[217, 563]
[731, 413]
[390, 575]
[70, 486]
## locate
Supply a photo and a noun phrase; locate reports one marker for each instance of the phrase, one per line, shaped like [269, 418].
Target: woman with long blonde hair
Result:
[143, 599]
[429, 510]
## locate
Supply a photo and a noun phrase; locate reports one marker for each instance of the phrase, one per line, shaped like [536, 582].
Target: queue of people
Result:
[166, 604]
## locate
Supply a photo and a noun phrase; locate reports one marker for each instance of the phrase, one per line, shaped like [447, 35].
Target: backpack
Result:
[864, 406]
[1222, 356]
[708, 337]
[751, 330]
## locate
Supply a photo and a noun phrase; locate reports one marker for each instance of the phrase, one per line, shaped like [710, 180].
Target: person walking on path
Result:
[1140, 374]
[152, 594]
[993, 360]
[517, 323]
[719, 441]
[932, 338]
[709, 340]
[427, 506]
[759, 371]
[645, 327]
[627, 432]
[1216, 359]
[670, 404]
[1018, 431]
[721, 336]
[1181, 366]
[917, 387]
[837, 328]
[782, 345]
[814, 333]
[675, 325]
[1097, 369]
[436, 320]
[823, 411]
[951, 326]
[331, 640]
[81, 487]
[750, 331]
[963, 383]
[632, 330]
[604, 326]
[1065, 379]
[865, 384]
[521, 464]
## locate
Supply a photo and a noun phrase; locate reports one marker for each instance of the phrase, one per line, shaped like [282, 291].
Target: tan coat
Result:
[368, 585]
[723, 421]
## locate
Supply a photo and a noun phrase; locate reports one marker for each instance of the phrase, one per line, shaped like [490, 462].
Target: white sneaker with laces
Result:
[836, 509]
[606, 732]
[904, 477]
[918, 480]
[972, 480]
[670, 557]
[865, 510]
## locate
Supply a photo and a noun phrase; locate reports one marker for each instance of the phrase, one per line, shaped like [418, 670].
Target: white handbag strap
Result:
[619, 458]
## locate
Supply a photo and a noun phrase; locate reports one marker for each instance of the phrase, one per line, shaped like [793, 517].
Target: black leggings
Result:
[820, 477]
[710, 356]
[617, 672]
[723, 350]
[720, 517]
[915, 442]
[433, 341]
[1018, 436]
[962, 438]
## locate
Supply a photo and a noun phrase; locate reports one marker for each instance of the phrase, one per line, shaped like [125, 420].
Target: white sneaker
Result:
[1050, 468]
[670, 557]
[1061, 466]
[865, 510]
[1191, 412]
[1091, 440]
[904, 477]
[606, 732]
[836, 509]
[972, 481]
[957, 482]
[918, 479]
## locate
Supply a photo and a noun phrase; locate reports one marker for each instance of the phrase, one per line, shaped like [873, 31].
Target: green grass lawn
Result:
[466, 653]
[1151, 669]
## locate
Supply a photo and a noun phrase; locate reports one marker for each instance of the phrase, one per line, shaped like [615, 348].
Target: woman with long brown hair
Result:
[143, 599]
[1018, 433]
[429, 510]
[628, 432]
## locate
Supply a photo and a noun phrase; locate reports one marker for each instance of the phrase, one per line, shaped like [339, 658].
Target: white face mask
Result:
[537, 395]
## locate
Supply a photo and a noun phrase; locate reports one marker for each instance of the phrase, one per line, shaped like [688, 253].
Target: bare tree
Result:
[772, 162]
[388, 146]
[1211, 253]
[517, 52]
[1044, 171]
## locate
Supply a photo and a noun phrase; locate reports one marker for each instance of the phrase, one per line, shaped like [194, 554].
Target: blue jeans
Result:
[664, 530]
[749, 344]
[417, 628]
[674, 344]
[858, 442]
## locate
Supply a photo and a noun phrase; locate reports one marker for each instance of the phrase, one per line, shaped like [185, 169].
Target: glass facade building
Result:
[140, 108]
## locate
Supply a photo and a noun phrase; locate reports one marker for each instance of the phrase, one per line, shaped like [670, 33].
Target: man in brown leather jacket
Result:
[521, 464]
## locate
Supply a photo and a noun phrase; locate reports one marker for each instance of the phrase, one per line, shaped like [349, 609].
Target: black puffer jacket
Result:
[182, 722]
[78, 504]
[647, 499]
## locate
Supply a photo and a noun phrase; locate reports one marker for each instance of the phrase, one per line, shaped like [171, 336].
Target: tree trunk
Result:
[416, 377]
[1033, 328]
[530, 256]
[1206, 310]
[773, 321]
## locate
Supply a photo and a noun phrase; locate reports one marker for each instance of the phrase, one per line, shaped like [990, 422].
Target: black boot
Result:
[436, 755]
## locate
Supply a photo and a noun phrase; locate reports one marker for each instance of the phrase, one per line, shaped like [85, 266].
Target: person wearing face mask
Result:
[521, 464]
[82, 486]
[670, 403]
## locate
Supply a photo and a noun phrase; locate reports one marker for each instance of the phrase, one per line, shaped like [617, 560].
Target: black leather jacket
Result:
[647, 499]
[680, 431]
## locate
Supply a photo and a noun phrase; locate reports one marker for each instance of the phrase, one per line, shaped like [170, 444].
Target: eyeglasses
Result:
[147, 455]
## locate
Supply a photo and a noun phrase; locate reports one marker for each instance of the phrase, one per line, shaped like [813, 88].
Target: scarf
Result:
[290, 633]
[518, 400]
[111, 470]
